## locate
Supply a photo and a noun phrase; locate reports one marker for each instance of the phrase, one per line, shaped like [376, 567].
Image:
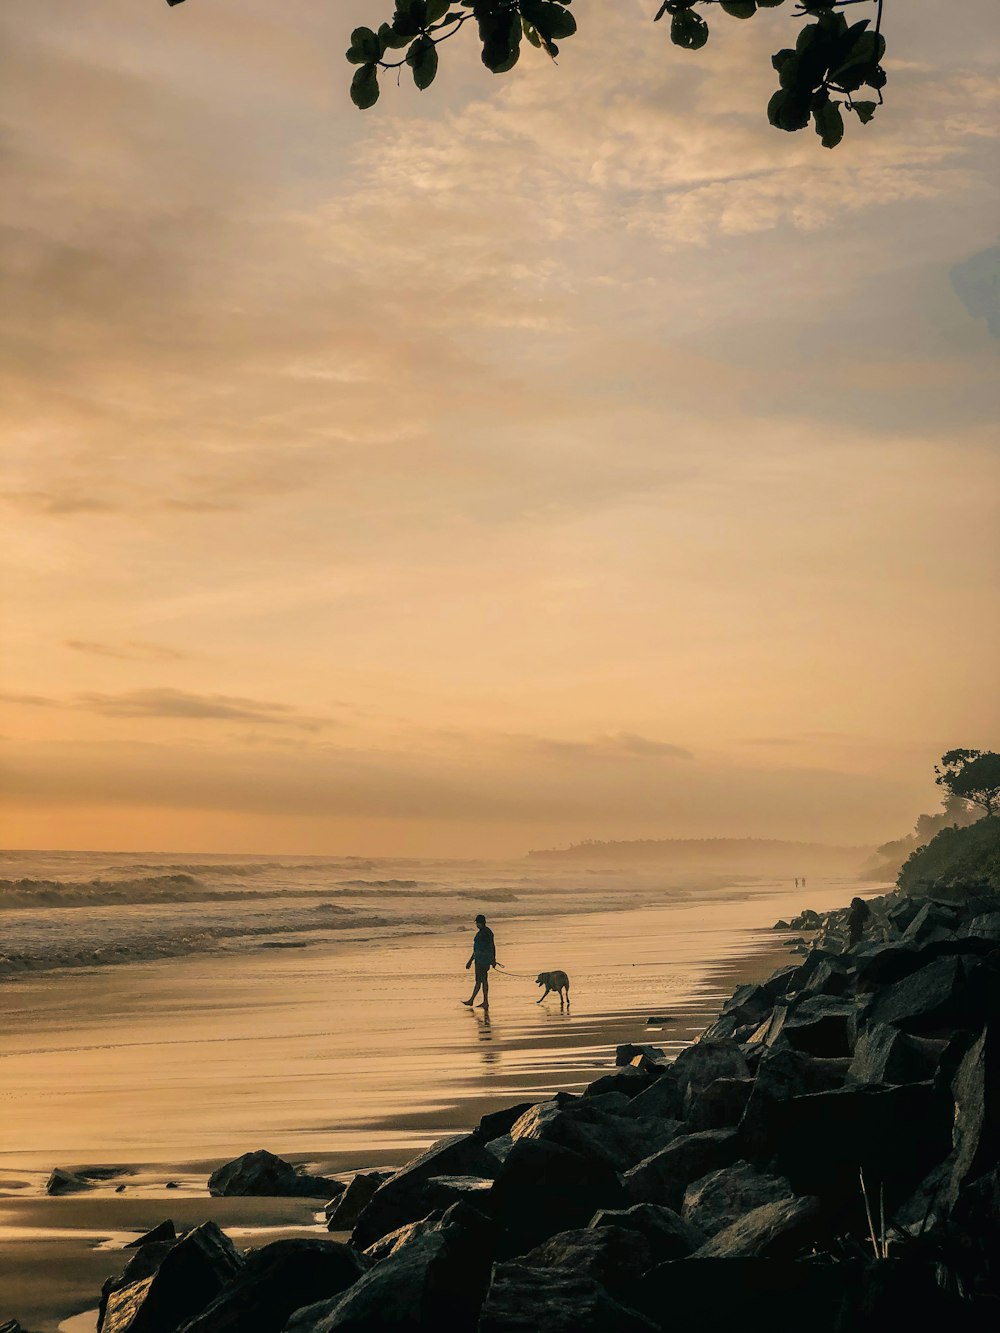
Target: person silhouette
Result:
[484, 956]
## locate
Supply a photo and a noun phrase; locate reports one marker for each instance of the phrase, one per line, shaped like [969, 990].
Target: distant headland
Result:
[768, 855]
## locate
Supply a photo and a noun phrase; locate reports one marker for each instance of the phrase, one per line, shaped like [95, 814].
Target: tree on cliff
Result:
[818, 78]
[973, 776]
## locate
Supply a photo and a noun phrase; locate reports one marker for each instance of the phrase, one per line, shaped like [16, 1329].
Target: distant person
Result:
[857, 919]
[484, 956]
[796, 881]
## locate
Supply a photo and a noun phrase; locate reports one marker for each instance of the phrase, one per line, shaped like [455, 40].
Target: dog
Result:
[553, 982]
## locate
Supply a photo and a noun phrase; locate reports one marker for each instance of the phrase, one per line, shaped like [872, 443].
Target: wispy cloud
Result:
[180, 705]
[132, 650]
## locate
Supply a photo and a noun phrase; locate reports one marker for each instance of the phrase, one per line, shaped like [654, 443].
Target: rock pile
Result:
[825, 1155]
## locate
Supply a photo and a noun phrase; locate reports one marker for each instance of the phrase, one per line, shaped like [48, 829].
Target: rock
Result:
[668, 1235]
[434, 1283]
[261, 1174]
[986, 926]
[748, 1004]
[142, 1264]
[719, 1199]
[884, 1054]
[896, 1134]
[614, 1256]
[584, 1128]
[441, 1192]
[719, 1105]
[781, 925]
[776, 1230]
[10, 1326]
[976, 1129]
[164, 1231]
[543, 1188]
[751, 1295]
[932, 918]
[703, 1063]
[664, 1176]
[171, 1185]
[783, 1074]
[526, 1300]
[833, 976]
[500, 1147]
[65, 1182]
[625, 1054]
[188, 1278]
[276, 1280]
[349, 1206]
[498, 1123]
[629, 1080]
[819, 1025]
[935, 998]
[403, 1197]
[658, 1020]
[463, 1216]
[660, 1100]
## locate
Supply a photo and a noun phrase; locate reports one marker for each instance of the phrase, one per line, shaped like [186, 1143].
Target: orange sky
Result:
[558, 455]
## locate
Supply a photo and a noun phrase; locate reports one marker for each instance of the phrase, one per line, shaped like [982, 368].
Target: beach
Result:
[342, 1055]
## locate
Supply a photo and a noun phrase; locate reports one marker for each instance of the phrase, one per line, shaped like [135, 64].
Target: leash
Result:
[524, 976]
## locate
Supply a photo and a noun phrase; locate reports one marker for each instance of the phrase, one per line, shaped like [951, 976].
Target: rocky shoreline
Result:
[827, 1151]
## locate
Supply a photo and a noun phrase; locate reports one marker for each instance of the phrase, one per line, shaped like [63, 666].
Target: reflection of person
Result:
[484, 956]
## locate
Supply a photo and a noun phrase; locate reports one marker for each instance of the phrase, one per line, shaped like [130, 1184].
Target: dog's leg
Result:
[547, 992]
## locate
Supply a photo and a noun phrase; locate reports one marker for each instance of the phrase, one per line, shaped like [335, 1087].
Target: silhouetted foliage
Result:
[972, 775]
[956, 858]
[818, 78]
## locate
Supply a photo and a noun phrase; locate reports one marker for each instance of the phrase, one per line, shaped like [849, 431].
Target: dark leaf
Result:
[787, 111]
[550, 20]
[365, 47]
[390, 40]
[689, 30]
[364, 87]
[500, 33]
[865, 111]
[829, 121]
[422, 58]
[740, 9]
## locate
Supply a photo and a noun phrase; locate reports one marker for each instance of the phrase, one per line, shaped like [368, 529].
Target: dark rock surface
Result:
[777, 1230]
[722, 1197]
[664, 1176]
[263, 1174]
[532, 1300]
[668, 1235]
[65, 1182]
[164, 1231]
[542, 1189]
[435, 1283]
[344, 1211]
[276, 1280]
[190, 1275]
[584, 1127]
[615, 1256]
[405, 1196]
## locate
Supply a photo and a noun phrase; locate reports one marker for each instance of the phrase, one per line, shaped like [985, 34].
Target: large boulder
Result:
[719, 1105]
[661, 1098]
[668, 1235]
[701, 1064]
[263, 1174]
[62, 1181]
[936, 998]
[884, 1054]
[143, 1263]
[896, 1135]
[495, 1124]
[188, 1278]
[162, 1231]
[629, 1080]
[526, 1300]
[719, 1199]
[663, 1177]
[584, 1128]
[435, 1282]
[782, 1074]
[780, 1229]
[821, 1025]
[276, 1280]
[405, 1196]
[614, 1256]
[748, 1004]
[976, 1129]
[543, 1188]
[750, 1295]
[344, 1211]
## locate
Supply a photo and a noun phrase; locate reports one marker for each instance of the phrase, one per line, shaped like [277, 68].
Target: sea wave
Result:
[179, 888]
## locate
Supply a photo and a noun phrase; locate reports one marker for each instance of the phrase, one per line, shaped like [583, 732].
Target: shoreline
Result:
[56, 1251]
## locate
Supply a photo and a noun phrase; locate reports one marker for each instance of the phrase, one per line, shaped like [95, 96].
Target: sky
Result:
[545, 456]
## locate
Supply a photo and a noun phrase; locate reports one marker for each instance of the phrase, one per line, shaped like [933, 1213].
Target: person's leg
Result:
[486, 989]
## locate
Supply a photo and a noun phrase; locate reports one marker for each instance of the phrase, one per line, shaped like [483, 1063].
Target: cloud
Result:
[181, 704]
[132, 650]
[977, 284]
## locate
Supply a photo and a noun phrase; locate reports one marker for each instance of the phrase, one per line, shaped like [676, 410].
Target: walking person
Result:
[484, 956]
[857, 919]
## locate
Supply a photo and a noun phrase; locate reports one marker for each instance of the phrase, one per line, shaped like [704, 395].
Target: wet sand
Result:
[342, 1056]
